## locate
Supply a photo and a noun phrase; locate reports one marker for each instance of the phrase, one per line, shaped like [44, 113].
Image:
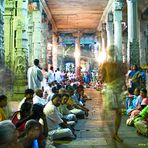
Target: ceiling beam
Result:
[49, 15]
[85, 30]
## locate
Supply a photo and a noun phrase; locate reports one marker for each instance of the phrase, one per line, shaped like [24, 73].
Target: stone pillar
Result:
[99, 40]
[9, 33]
[36, 41]
[49, 47]
[2, 32]
[109, 29]
[117, 13]
[20, 46]
[44, 36]
[133, 44]
[104, 37]
[143, 46]
[124, 46]
[30, 39]
[77, 56]
[54, 50]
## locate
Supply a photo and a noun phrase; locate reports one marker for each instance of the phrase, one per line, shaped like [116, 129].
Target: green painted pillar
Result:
[16, 43]
[8, 33]
[20, 47]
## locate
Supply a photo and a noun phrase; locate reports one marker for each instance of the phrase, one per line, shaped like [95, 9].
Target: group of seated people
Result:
[43, 116]
[137, 110]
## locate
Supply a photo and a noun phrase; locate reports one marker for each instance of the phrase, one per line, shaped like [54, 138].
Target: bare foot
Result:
[117, 138]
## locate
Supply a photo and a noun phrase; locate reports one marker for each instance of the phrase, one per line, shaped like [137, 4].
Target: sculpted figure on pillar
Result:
[20, 64]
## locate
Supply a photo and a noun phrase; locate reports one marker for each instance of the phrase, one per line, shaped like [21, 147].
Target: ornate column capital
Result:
[117, 5]
[33, 6]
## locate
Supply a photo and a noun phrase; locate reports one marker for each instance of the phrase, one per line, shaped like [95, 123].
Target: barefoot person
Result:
[113, 73]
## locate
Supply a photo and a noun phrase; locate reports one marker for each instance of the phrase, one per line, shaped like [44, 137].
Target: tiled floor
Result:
[93, 132]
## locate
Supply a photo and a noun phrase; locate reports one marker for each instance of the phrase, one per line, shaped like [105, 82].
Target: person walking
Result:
[113, 76]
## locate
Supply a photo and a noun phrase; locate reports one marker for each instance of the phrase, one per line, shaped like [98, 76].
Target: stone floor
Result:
[93, 132]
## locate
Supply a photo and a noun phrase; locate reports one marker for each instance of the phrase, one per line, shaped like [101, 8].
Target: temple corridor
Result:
[48, 45]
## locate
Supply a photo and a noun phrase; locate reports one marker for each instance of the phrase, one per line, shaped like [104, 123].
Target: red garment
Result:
[15, 120]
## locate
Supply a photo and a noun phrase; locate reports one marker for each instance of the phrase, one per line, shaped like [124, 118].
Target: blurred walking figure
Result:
[113, 74]
[35, 76]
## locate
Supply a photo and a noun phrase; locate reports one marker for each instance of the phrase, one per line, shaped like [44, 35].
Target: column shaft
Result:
[133, 44]
[109, 30]
[117, 12]
[77, 56]
[54, 51]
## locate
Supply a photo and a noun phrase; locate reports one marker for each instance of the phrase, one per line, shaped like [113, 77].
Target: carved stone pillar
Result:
[44, 36]
[143, 46]
[30, 39]
[117, 13]
[133, 44]
[109, 29]
[2, 32]
[36, 41]
[21, 46]
[54, 50]
[9, 33]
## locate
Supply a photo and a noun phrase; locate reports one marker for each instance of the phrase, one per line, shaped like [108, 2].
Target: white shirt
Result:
[50, 76]
[58, 76]
[35, 77]
[53, 116]
[39, 100]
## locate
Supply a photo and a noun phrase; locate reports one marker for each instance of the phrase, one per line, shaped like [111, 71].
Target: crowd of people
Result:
[136, 100]
[49, 110]
[54, 101]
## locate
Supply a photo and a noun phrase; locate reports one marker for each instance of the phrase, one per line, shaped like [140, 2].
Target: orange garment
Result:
[2, 114]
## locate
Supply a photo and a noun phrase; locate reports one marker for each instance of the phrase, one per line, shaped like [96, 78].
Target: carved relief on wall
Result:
[20, 65]
[20, 24]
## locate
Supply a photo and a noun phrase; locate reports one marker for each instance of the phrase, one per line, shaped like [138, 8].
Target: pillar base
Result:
[19, 88]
